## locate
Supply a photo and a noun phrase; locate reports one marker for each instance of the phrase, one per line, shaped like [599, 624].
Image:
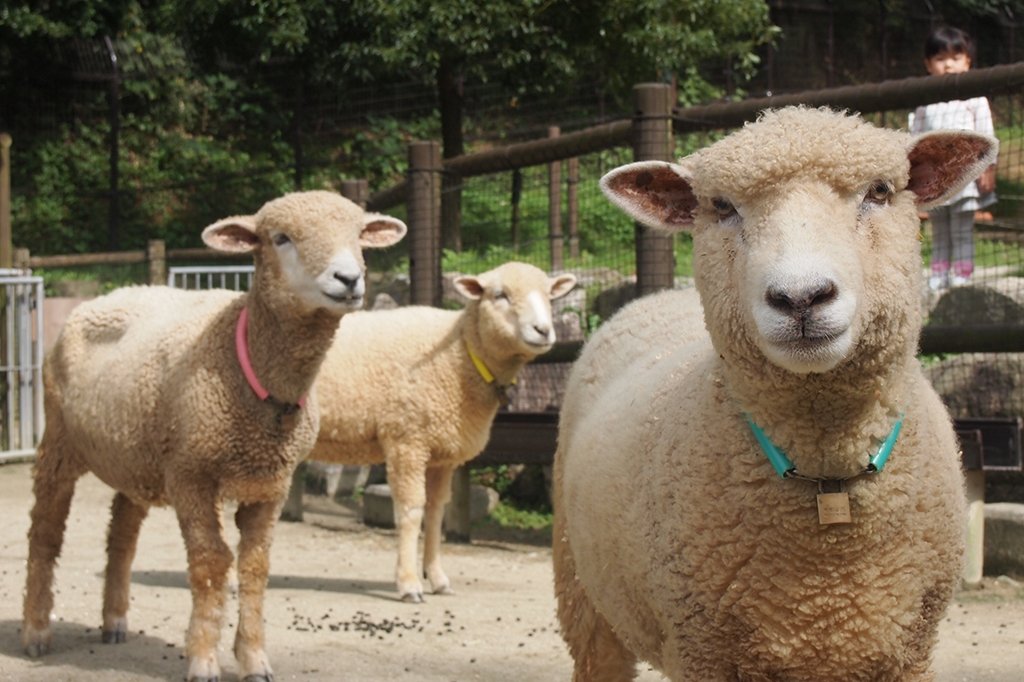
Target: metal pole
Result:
[652, 141]
[424, 213]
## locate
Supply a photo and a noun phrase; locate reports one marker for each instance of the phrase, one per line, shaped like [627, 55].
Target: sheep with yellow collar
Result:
[418, 388]
[778, 497]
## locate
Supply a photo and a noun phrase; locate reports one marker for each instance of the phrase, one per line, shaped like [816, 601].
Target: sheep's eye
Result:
[281, 239]
[723, 208]
[500, 296]
[880, 192]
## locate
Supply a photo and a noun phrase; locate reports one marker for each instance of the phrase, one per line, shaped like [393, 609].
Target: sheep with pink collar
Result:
[193, 398]
[778, 497]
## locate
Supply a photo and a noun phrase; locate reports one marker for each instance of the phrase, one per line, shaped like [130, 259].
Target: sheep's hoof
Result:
[215, 678]
[116, 636]
[413, 597]
[444, 589]
[36, 642]
[37, 649]
[258, 678]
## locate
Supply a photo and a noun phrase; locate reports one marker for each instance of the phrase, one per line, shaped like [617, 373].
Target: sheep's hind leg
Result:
[209, 559]
[439, 493]
[126, 518]
[53, 487]
[255, 523]
[598, 655]
[406, 476]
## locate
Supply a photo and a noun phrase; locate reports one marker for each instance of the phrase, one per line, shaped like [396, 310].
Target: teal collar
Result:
[785, 468]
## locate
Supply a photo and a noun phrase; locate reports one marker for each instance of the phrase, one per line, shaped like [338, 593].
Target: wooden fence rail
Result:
[649, 132]
[869, 98]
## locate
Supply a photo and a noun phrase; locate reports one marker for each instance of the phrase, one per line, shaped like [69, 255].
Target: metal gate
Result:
[21, 363]
[237, 277]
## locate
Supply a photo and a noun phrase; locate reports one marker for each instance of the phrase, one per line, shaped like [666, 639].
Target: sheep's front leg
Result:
[126, 519]
[256, 524]
[598, 655]
[407, 479]
[53, 486]
[209, 559]
[439, 493]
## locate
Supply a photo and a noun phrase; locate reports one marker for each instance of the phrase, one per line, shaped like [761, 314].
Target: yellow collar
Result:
[481, 367]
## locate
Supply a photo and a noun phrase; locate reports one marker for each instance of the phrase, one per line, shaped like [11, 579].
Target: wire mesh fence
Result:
[550, 212]
[507, 216]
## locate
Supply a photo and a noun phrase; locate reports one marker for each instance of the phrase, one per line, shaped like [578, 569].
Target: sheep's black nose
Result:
[348, 280]
[797, 302]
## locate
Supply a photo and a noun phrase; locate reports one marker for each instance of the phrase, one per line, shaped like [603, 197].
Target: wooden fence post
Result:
[424, 213]
[356, 191]
[573, 207]
[555, 208]
[652, 141]
[156, 257]
[458, 518]
[6, 261]
[975, 552]
[424, 218]
[6, 247]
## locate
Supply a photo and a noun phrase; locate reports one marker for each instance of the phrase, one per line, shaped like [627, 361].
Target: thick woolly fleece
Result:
[402, 381]
[675, 541]
[144, 389]
[137, 376]
[422, 394]
[400, 387]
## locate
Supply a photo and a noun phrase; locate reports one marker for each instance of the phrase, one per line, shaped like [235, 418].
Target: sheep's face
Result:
[514, 306]
[801, 286]
[805, 231]
[308, 248]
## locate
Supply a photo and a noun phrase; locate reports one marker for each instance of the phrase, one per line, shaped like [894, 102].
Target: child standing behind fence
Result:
[950, 50]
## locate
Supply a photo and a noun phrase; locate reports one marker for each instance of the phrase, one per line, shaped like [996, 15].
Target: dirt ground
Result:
[332, 612]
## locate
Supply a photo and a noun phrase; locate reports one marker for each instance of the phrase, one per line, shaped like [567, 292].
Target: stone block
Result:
[1004, 539]
[378, 509]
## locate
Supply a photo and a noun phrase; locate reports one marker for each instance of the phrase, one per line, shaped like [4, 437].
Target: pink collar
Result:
[242, 350]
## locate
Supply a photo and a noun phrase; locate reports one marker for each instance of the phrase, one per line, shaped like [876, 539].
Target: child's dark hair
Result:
[948, 39]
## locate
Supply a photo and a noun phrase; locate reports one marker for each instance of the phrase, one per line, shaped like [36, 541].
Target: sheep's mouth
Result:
[810, 344]
[807, 346]
[800, 351]
[806, 333]
[351, 300]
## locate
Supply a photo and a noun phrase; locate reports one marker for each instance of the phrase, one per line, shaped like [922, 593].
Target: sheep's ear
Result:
[656, 193]
[942, 162]
[560, 286]
[234, 235]
[469, 287]
[380, 231]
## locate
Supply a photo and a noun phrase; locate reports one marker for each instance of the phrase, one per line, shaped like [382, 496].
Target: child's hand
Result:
[987, 180]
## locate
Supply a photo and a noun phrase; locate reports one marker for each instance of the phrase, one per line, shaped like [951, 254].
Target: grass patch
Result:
[510, 516]
[508, 523]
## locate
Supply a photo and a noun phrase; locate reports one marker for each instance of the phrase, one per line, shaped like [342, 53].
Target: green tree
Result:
[688, 42]
[545, 44]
